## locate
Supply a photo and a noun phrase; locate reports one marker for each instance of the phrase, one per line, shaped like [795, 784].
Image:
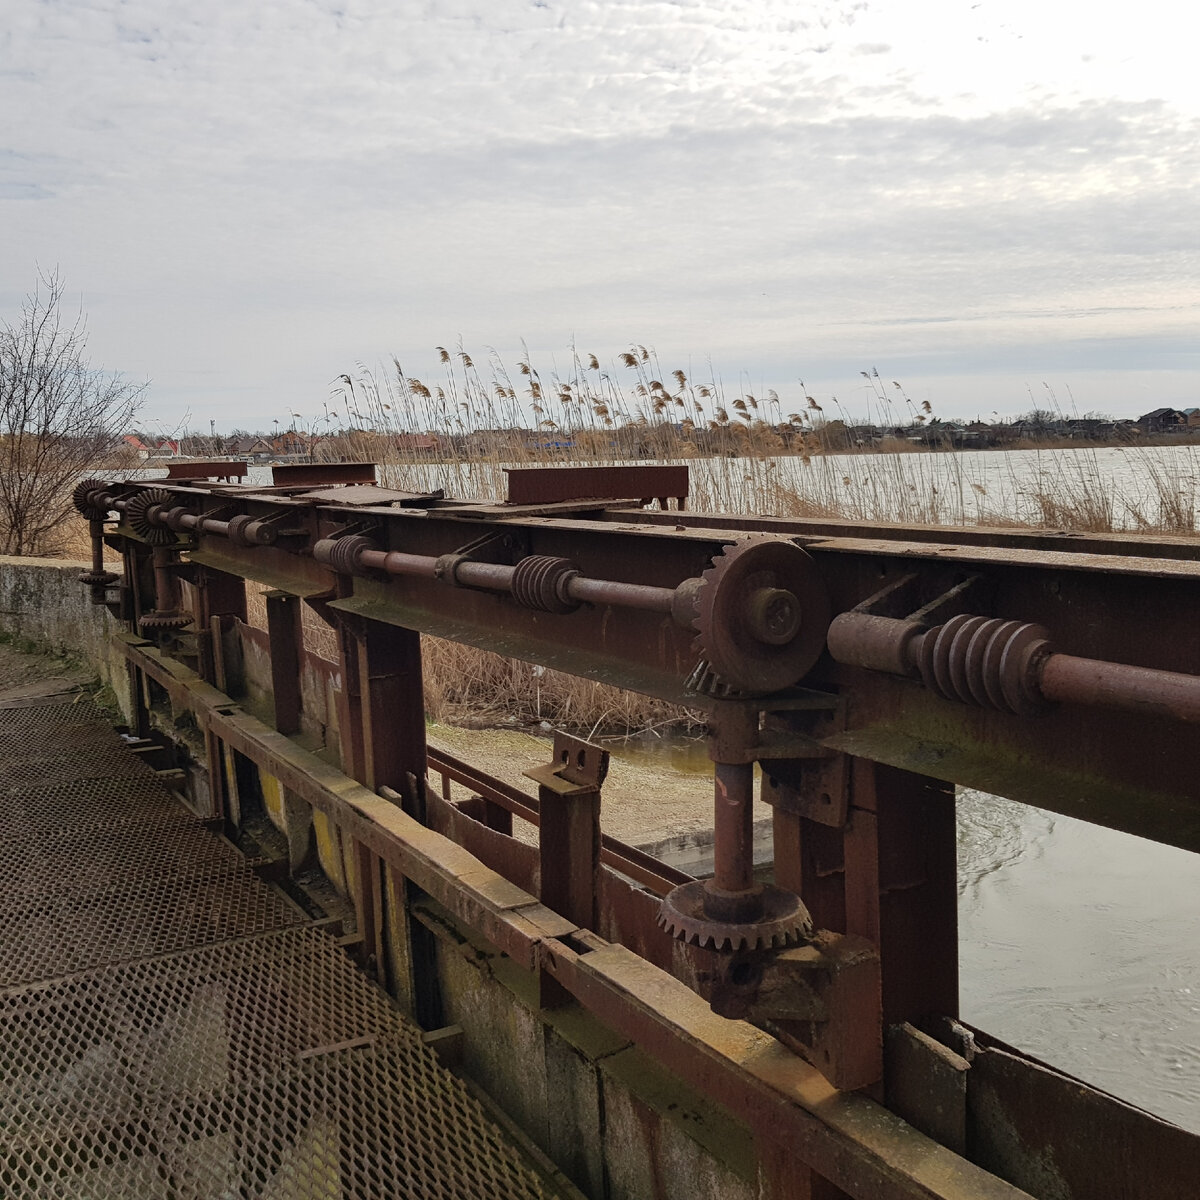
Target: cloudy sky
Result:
[981, 199]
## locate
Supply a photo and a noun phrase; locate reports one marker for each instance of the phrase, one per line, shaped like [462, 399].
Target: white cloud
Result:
[257, 195]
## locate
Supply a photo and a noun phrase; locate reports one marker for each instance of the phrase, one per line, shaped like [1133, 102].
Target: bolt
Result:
[773, 616]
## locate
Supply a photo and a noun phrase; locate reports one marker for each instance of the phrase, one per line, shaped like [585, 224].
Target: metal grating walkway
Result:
[171, 1026]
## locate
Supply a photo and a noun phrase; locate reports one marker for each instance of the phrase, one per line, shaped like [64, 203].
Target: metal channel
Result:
[171, 1026]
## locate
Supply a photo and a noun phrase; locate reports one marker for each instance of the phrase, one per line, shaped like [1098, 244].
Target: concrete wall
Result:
[42, 601]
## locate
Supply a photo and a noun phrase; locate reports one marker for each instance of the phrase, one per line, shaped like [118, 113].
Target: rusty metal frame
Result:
[858, 757]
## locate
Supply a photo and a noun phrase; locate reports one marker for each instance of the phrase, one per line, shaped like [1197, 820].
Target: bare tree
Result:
[59, 418]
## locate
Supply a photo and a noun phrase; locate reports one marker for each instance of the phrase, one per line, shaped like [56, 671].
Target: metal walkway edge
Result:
[173, 1027]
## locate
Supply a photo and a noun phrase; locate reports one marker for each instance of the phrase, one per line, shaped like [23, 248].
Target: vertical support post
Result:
[569, 838]
[140, 711]
[382, 722]
[218, 595]
[901, 887]
[393, 708]
[218, 795]
[284, 637]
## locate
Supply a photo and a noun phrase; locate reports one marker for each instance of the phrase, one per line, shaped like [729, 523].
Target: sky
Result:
[994, 203]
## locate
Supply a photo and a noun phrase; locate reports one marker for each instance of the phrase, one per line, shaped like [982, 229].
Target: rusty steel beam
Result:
[1082, 591]
[217, 468]
[302, 475]
[550, 485]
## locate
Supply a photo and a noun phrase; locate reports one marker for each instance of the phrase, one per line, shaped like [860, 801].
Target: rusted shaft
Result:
[622, 595]
[396, 563]
[1007, 665]
[96, 529]
[733, 827]
[166, 585]
[1116, 685]
[554, 584]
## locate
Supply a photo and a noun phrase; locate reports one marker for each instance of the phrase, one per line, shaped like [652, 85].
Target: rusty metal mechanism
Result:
[866, 669]
[1010, 666]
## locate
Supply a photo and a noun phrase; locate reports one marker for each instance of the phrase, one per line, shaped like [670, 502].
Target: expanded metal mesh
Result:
[84, 804]
[60, 862]
[19, 740]
[77, 711]
[67, 766]
[369, 1122]
[171, 1026]
[57, 935]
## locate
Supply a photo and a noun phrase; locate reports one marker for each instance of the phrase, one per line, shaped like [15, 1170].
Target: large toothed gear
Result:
[761, 615]
[781, 921]
[86, 498]
[138, 515]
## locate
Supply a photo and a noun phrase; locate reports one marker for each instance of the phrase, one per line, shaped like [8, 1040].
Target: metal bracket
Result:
[577, 766]
[823, 999]
[505, 549]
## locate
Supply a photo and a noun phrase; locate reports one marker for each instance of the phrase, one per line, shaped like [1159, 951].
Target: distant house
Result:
[249, 448]
[166, 447]
[292, 441]
[416, 443]
[1162, 420]
[135, 443]
[1193, 417]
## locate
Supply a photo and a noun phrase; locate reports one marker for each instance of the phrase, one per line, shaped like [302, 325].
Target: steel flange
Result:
[761, 615]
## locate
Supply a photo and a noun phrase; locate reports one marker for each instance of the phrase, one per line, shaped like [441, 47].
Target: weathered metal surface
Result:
[542, 485]
[217, 468]
[927, 1085]
[1057, 1137]
[861, 745]
[301, 475]
[1081, 594]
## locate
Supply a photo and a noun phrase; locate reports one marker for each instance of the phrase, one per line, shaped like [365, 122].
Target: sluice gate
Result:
[809, 1016]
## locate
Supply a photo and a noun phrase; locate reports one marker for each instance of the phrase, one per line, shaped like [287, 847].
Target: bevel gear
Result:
[86, 498]
[761, 615]
[143, 521]
[781, 920]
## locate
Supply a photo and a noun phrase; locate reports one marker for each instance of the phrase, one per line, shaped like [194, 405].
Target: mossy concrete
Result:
[43, 603]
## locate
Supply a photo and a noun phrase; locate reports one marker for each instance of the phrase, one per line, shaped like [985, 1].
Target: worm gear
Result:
[142, 518]
[761, 615]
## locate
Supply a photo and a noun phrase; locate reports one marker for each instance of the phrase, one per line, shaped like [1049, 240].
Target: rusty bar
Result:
[900, 887]
[644, 868]
[216, 468]
[733, 827]
[317, 474]
[284, 635]
[1066, 678]
[549, 485]
[569, 845]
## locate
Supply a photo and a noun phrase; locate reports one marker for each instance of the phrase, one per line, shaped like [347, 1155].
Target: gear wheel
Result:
[137, 514]
[761, 615]
[782, 921]
[86, 498]
[165, 620]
